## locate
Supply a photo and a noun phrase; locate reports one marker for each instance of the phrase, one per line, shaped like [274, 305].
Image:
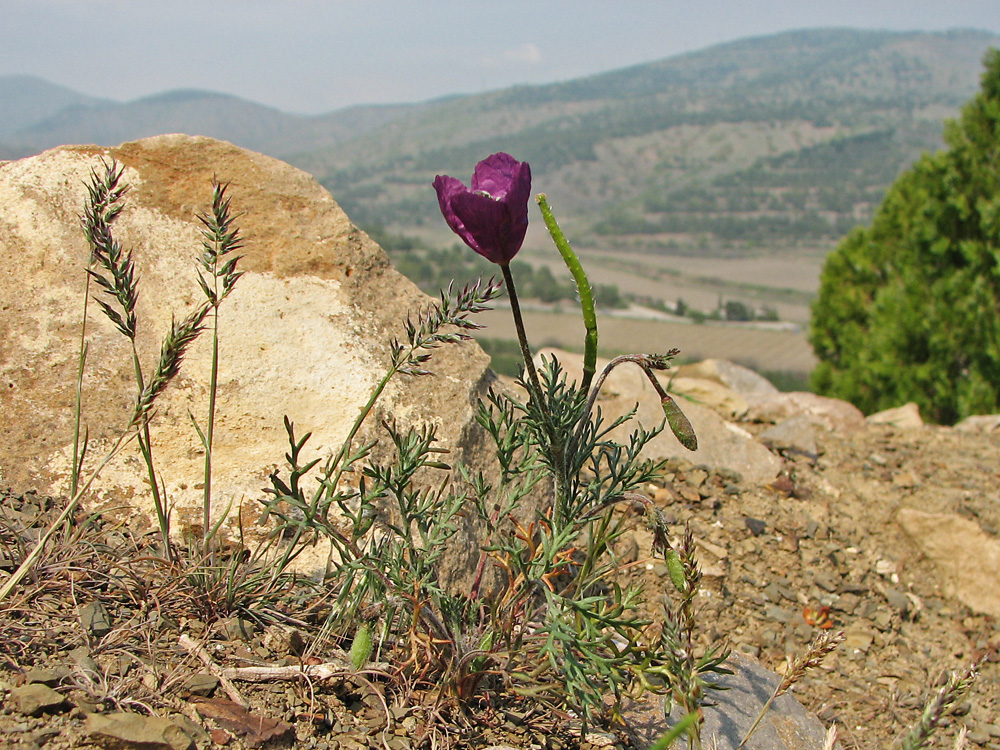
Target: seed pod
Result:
[679, 424]
[361, 648]
[675, 569]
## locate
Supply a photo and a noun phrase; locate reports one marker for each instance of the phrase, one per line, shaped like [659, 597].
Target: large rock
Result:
[967, 559]
[721, 444]
[305, 333]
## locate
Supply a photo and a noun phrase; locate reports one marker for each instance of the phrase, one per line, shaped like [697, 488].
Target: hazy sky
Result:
[314, 56]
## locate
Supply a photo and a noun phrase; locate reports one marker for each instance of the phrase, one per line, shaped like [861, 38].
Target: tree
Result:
[737, 311]
[908, 307]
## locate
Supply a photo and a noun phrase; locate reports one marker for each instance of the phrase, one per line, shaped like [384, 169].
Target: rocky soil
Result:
[819, 547]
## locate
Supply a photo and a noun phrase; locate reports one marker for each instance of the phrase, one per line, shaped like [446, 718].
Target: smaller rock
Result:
[905, 480]
[906, 416]
[731, 713]
[238, 629]
[284, 641]
[858, 640]
[756, 526]
[898, 601]
[980, 423]
[978, 736]
[778, 614]
[795, 435]
[827, 581]
[966, 557]
[48, 677]
[829, 413]
[83, 660]
[36, 699]
[126, 731]
[742, 380]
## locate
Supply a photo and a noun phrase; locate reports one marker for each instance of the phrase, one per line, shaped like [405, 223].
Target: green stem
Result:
[78, 407]
[582, 286]
[535, 393]
[210, 429]
[146, 448]
[535, 387]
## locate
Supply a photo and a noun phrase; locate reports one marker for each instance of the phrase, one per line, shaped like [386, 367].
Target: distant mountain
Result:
[27, 100]
[788, 139]
[38, 115]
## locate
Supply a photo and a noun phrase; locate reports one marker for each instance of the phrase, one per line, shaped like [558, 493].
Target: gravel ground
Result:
[818, 548]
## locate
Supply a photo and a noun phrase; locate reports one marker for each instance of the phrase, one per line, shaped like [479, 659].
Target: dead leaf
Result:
[254, 729]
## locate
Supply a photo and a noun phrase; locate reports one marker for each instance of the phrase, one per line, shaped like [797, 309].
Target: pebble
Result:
[95, 619]
[897, 600]
[201, 683]
[857, 641]
[238, 629]
[977, 736]
[778, 614]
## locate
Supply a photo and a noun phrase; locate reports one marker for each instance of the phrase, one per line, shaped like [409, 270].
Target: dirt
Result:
[818, 549]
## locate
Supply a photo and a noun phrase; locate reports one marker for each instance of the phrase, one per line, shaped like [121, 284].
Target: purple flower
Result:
[491, 216]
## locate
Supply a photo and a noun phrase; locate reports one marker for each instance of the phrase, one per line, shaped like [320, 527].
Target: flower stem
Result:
[522, 338]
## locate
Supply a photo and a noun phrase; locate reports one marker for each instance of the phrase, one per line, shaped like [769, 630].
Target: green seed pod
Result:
[675, 569]
[361, 648]
[679, 424]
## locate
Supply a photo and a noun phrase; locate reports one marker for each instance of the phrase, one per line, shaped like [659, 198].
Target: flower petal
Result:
[447, 188]
[494, 174]
[487, 222]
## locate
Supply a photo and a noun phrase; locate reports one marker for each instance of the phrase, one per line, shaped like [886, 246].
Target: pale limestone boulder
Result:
[966, 558]
[737, 378]
[721, 444]
[710, 393]
[831, 414]
[305, 333]
[906, 416]
[979, 423]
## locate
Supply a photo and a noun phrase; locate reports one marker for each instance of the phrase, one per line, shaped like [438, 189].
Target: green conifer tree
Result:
[908, 307]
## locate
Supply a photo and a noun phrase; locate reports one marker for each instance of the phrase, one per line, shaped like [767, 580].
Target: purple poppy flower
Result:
[491, 216]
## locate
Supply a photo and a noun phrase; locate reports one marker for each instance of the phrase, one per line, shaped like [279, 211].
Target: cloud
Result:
[526, 54]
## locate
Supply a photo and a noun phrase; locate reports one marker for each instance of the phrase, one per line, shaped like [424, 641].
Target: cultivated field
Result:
[786, 283]
[761, 349]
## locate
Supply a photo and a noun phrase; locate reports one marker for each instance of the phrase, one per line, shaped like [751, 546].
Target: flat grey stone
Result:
[786, 726]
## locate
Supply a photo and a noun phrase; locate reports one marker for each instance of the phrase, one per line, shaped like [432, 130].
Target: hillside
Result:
[782, 140]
